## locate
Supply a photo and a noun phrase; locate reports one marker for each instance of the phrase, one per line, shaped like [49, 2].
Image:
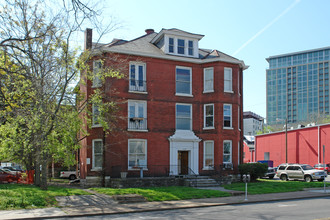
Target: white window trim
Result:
[204, 146]
[93, 156]
[239, 118]
[144, 75]
[191, 113]
[205, 128]
[231, 117]
[146, 150]
[99, 82]
[186, 46]
[231, 151]
[205, 89]
[130, 101]
[94, 125]
[231, 80]
[184, 94]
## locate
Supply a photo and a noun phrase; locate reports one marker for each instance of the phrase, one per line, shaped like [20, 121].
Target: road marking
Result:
[284, 205]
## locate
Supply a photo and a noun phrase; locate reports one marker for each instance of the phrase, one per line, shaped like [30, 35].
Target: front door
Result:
[183, 161]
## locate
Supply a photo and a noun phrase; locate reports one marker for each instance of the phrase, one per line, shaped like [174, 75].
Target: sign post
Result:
[324, 168]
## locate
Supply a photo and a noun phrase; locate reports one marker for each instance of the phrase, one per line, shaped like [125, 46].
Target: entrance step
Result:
[202, 181]
[129, 198]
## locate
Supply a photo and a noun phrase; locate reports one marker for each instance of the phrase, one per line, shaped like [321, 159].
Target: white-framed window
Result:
[227, 116]
[183, 80]
[266, 156]
[208, 162]
[228, 80]
[171, 45]
[97, 154]
[181, 46]
[137, 77]
[208, 79]
[227, 151]
[183, 117]
[137, 153]
[97, 68]
[209, 116]
[95, 115]
[137, 115]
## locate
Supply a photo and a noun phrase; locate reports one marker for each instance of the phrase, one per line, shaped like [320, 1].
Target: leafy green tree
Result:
[39, 69]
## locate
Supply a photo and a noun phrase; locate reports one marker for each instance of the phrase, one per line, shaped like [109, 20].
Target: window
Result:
[266, 155]
[227, 152]
[97, 68]
[209, 116]
[208, 155]
[228, 84]
[238, 79]
[239, 118]
[190, 48]
[137, 153]
[227, 116]
[137, 115]
[97, 154]
[96, 114]
[181, 46]
[183, 80]
[208, 79]
[183, 117]
[171, 45]
[137, 77]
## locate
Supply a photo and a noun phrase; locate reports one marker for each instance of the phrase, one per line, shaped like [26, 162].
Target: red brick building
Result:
[182, 108]
[304, 145]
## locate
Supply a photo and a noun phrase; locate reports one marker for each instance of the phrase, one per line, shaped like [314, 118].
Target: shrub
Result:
[256, 170]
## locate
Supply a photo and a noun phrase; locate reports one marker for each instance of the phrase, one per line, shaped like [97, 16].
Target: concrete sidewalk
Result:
[99, 204]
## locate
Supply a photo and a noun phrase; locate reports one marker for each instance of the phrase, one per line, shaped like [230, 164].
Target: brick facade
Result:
[161, 100]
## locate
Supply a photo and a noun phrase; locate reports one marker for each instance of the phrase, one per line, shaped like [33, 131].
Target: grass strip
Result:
[165, 193]
[19, 196]
[262, 186]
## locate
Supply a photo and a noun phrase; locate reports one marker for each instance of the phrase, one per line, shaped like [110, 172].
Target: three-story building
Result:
[181, 108]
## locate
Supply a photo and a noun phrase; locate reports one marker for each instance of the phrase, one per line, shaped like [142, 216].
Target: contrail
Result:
[267, 26]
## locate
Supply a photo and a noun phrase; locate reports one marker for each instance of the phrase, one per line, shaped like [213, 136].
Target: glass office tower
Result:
[298, 86]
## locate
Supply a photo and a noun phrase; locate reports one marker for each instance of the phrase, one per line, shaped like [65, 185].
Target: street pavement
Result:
[100, 204]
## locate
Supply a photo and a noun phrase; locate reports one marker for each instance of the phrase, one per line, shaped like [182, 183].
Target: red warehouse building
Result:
[304, 145]
[180, 110]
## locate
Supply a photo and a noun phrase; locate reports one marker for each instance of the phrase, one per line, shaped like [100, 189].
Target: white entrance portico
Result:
[184, 143]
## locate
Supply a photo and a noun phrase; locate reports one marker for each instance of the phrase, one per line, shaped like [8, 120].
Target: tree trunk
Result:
[44, 172]
[37, 170]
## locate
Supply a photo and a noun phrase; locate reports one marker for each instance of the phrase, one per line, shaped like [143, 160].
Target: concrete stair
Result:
[202, 181]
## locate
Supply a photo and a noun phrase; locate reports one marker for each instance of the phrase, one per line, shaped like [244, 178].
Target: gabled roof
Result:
[144, 46]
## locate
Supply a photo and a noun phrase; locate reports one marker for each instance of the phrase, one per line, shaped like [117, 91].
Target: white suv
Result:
[299, 172]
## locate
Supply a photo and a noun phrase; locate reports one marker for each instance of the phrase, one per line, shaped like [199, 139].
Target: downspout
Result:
[318, 144]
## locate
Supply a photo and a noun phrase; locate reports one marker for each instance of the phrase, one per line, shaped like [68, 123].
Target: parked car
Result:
[271, 172]
[7, 177]
[321, 166]
[68, 174]
[299, 172]
[12, 170]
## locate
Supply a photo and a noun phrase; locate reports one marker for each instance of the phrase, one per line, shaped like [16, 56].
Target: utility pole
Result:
[286, 140]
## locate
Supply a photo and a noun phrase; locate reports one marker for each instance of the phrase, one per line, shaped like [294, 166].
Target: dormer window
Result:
[181, 46]
[177, 42]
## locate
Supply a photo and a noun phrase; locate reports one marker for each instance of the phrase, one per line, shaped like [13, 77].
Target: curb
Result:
[178, 207]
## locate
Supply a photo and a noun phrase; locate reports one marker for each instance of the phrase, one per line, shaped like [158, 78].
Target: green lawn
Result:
[165, 193]
[273, 186]
[19, 196]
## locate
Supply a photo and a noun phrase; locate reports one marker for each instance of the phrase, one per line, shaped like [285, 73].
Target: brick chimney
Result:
[88, 39]
[149, 31]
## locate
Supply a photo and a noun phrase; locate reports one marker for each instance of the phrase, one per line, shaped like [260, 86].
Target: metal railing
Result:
[137, 85]
[137, 123]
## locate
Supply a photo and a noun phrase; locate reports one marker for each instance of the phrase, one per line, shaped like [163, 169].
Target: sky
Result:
[250, 30]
